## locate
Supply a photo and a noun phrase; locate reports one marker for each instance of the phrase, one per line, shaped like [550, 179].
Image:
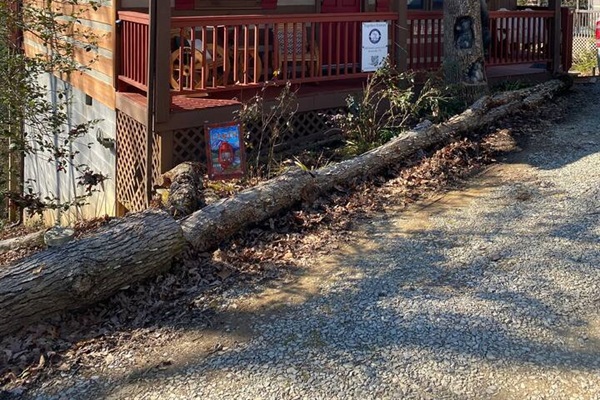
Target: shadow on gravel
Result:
[421, 304]
[578, 132]
[494, 306]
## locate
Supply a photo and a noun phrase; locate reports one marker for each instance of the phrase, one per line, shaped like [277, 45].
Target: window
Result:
[437, 4]
[415, 4]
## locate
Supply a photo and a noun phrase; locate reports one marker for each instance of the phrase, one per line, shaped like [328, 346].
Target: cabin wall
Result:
[98, 80]
[47, 181]
[93, 98]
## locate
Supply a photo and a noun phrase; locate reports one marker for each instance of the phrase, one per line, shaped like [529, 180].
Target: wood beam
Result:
[401, 34]
[555, 36]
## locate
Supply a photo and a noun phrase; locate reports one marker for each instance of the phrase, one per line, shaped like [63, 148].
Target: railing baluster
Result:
[329, 47]
[256, 73]
[350, 42]
[320, 72]
[215, 56]
[245, 54]
[294, 49]
[266, 54]
[338, 41]
[236, 55]
[304, 50]
[355, 61]
[226, 61]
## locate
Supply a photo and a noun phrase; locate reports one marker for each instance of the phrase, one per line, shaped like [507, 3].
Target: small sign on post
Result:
[374, 45]
[225, 151]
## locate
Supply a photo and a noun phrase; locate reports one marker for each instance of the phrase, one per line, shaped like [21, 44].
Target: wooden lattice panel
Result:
[131, 163]
[189, 145]
[308, 129]
[156, 166]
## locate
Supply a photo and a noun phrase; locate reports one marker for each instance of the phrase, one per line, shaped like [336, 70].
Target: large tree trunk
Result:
[143, 245]
[463, 48]
[86, 271]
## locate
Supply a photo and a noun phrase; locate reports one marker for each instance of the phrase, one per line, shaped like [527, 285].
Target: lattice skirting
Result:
[189, 145]
[583, 44]
[309, 129]
[132, 191]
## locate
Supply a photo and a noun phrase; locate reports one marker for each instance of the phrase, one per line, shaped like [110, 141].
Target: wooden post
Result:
[555, 36]
[163, 62]
[166, 151]
[401, 34]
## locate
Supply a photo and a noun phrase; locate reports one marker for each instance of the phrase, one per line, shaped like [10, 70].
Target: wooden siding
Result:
[98, 82]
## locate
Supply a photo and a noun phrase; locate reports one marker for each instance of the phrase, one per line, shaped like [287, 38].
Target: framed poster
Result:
[374, 45]
[225, 151]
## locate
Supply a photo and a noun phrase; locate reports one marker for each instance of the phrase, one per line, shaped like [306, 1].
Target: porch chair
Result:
[293, 46]
[187, 62]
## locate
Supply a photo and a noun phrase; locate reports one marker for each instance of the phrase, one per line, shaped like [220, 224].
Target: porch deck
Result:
[225, 57]
[323, 95]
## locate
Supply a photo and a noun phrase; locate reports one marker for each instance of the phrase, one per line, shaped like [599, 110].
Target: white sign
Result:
[374, 45]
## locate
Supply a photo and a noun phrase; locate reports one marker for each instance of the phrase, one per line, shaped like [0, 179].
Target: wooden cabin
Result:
[167, 70]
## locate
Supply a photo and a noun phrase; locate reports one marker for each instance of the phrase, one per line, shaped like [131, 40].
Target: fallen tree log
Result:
[88, 270]
[143, 245]
[30, 240]
[209, 226]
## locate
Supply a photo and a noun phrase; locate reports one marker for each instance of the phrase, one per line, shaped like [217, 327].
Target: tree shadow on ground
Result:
[408, 300]
[477, 295]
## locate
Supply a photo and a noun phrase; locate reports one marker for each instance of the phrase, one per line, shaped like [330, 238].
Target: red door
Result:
[340, 50]
[340, 6]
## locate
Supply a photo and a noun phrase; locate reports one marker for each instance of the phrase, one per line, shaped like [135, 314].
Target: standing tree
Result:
[464, 46]
[34, 115]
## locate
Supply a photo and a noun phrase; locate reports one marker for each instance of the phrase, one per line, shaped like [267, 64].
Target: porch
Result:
[177, 73]
[221, 56]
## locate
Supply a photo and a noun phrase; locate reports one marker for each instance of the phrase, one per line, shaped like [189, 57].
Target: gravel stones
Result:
[494, 298]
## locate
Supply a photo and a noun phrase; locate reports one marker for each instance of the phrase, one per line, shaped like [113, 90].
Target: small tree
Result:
[34, 118]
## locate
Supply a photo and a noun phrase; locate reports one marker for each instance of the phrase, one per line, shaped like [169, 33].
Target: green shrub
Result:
[391, 103]
[585, 60]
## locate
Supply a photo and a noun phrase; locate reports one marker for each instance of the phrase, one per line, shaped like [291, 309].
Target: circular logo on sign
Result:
[375, 36]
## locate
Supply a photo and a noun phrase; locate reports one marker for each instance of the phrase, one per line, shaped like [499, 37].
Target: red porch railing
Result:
[218, 53]
[425, 40]
[133, 63]
[517, 37]
[520, 37]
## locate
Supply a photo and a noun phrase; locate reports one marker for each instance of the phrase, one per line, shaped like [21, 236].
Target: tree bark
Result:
[143, 245]
[185, 189]
[88, 270]
[463, 48]
[32, 239]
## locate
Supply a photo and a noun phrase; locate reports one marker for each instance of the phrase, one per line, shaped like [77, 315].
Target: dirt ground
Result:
[279, 266]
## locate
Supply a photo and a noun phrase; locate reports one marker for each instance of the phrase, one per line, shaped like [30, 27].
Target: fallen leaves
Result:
[111, 334]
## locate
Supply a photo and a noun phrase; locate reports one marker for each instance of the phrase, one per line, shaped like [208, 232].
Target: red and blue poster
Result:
[225, 158]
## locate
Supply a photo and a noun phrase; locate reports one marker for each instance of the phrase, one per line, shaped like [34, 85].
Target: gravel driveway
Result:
[490, 292]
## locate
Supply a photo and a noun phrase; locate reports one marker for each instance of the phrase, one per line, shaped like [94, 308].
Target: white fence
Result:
[584, 30]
